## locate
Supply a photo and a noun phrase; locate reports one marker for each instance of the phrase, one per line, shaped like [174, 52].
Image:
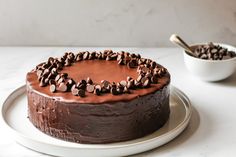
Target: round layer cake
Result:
[98, 97]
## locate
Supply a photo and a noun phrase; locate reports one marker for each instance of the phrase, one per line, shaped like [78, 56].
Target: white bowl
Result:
[211, 70]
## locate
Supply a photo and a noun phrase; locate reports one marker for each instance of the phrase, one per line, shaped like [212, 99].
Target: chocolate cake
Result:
[98, 97]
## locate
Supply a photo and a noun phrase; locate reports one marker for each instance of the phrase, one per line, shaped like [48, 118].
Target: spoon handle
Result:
[177, 40]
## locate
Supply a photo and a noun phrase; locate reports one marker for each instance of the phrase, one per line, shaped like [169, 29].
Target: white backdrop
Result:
[146, 23]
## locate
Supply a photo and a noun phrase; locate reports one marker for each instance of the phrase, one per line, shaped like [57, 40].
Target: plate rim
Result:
[179, 93]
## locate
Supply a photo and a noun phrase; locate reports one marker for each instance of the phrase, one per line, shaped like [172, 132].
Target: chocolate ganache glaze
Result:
[99, 118]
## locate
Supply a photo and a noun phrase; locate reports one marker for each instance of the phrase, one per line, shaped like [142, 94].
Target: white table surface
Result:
[212, 128]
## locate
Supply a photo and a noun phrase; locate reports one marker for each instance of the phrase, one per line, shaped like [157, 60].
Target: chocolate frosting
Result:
[99, 123]
[97, 70]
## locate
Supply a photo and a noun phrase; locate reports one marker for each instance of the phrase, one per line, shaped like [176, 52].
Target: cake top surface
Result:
[91, 77]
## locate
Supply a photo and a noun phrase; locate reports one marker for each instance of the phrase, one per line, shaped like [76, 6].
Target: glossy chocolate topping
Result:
[97, 70]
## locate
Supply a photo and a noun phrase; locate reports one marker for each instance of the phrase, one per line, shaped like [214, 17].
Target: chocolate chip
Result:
[131, 64]
[105, 89]
[61, 80]
[148, 75]
[129, 78]
[79, 57]
[54, 71]
[139, 78]
[75, 91]
[70, 82]
[86, 55]
[104, 56]
[222, 51]
[120, 86]
[90, 88]
[50, 76]
[143, 60]
[42, 83]
[81, 85]
[105, 83]
[45, 66]
[215, 56]
[98, 87]
[83, 82]
[148, 61]
[163, 70]
[210, 44]
[153, 64]
[113, 85]
[39, 66]
[46, 72]
[130, 84]
[120, 57]
[39, 73]
[126, 90]
[64, 75]
[232, 54]
[52, 82]
[138, 56]
[59, 66]
[81, 93]
[114, 56]
[40, 78]
[67, 62]
[57, 77]
[46, 81]
[203, 56]
[214, 50]
[127, 60]
[89, 80]
[108, 58]
[52, 88]
[119, 90]
[99, 56]
[145, 81]
[137, 84]
[154, 80]
[108, 51]
[73, 87]
[123, 83]
[160, 73]
[97, 91]
[121, 62]
[140, 62]
[114, 91]
[127, 54]
[62, 87]
[92, 55]
[145, 69]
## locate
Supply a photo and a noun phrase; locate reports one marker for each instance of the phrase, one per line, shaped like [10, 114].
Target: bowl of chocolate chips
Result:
[211, 61]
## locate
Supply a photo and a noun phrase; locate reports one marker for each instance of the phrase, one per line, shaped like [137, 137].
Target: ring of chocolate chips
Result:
[49, 73]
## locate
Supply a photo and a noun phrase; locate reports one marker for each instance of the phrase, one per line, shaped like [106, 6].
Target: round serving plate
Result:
[14, 114]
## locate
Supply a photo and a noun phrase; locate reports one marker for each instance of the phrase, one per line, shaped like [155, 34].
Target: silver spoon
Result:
[174, 38]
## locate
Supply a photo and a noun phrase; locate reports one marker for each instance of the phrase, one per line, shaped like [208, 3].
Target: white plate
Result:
[14, 114]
